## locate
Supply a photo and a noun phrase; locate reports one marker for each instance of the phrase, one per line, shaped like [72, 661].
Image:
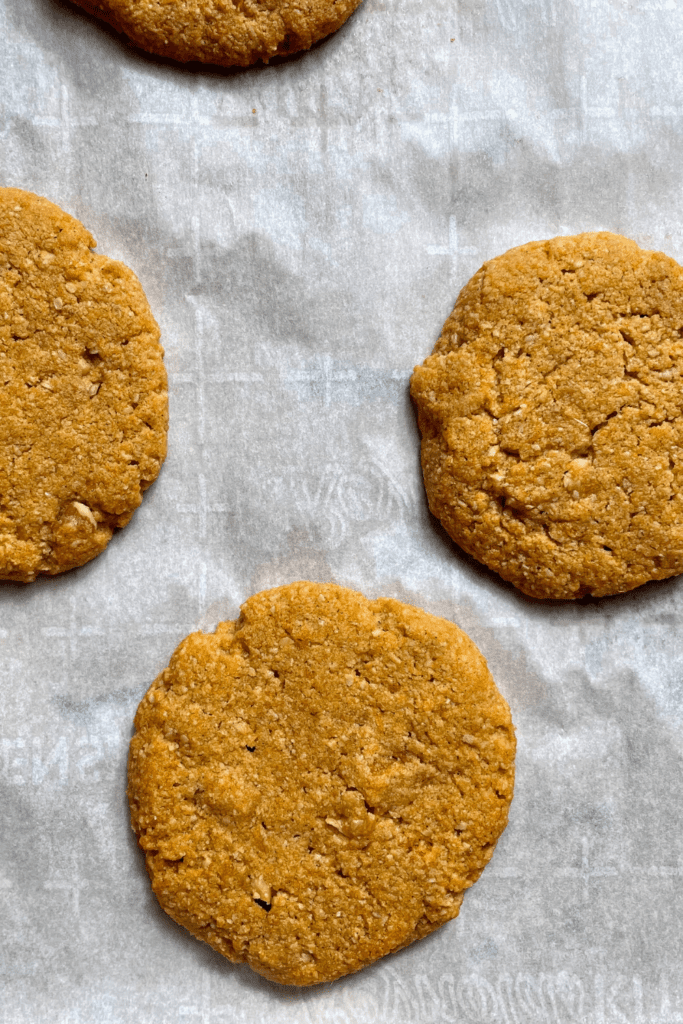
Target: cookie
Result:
[239, 32]
[551, 417]
[83, 403]
[318, 783]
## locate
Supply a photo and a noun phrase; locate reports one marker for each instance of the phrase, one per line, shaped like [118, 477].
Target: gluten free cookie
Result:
[317, 784]
[551, 417]
[83, 404]
[227, 32]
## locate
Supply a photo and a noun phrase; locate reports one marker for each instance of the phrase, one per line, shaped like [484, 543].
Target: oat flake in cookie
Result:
[83, 402]
[551, 417]
[318, 783]
[221, 31]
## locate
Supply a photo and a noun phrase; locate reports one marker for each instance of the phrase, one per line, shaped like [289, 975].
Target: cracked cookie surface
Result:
[226, 32]
[83, 403]
[318, 783]
[551, 417]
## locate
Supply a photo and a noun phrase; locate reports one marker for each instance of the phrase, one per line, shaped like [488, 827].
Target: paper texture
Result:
[301, 232]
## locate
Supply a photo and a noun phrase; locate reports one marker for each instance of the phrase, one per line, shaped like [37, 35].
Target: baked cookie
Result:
[227, 32]
[316, 784]
[551, 417]
[83, 403]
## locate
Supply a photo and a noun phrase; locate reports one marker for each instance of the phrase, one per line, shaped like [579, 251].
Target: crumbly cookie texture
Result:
[316, 784]
[551, 417]
[227, 32]
[83, 404]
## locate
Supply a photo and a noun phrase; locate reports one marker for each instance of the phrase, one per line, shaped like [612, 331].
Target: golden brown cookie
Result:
[83, 403]
[316, 784]
[551, 417]
[227, 32]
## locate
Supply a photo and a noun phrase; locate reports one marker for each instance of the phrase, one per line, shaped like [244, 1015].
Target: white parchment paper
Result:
[302, 231]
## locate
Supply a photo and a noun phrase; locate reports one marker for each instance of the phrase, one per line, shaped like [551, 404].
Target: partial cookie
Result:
[240, 32]
[551, 417]
[83, 403]
[318, 783]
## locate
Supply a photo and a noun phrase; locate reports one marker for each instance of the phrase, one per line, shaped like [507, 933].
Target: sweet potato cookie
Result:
[551, 417]
[227, 32]
[82, 395]
[316, 784]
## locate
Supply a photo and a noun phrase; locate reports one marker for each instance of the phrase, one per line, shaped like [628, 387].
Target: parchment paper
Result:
[302, 231]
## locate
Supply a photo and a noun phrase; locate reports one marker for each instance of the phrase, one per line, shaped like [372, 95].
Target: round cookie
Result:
[316, 784]
[238, 32]
[83, 404]
[551, 417]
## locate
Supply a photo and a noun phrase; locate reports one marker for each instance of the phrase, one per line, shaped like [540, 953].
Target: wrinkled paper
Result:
[302, 231]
